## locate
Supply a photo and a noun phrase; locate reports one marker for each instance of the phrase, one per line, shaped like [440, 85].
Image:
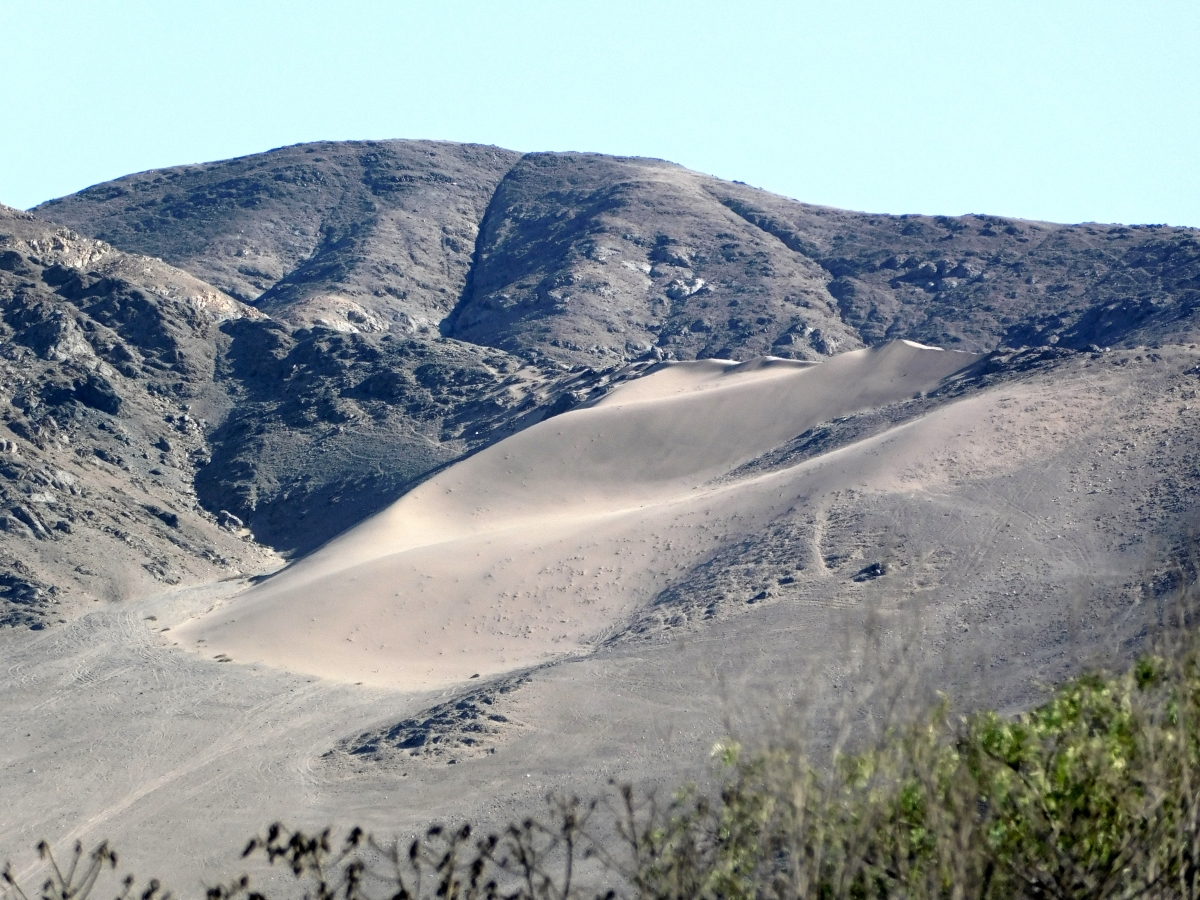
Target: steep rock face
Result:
[106, 387]
[370, 236]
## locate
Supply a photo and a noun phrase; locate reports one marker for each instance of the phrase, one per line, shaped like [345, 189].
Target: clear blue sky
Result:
[1068, 111]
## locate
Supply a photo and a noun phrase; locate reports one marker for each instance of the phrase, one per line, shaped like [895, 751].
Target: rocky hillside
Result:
[368, 237]
[106, 398]
[281, 344]
[149, 418]
[591, 259]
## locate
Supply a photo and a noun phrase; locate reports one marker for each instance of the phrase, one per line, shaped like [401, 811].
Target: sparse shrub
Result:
[78, 878]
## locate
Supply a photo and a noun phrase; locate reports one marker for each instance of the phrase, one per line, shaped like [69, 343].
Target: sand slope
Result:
[539, 544]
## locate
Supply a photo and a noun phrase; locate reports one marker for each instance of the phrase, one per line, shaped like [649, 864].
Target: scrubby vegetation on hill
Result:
[1092, 794]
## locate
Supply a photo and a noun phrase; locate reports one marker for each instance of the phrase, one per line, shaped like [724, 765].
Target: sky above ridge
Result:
[1065, 111]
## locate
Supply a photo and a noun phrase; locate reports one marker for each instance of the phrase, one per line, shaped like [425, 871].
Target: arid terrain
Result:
[567, 465]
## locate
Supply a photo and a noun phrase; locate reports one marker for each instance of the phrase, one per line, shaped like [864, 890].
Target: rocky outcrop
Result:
[106, 388]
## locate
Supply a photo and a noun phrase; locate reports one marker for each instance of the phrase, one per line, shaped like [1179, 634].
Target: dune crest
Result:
[537, 545]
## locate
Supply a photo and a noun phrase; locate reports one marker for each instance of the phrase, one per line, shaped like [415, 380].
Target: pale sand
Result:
[536, 546]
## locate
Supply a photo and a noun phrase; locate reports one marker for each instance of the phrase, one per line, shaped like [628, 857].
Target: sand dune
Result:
[539, 544]
[1018, 519]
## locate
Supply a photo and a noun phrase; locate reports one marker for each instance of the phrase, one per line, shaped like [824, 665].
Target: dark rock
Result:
[108, 456]
[98, 392]
[11, 261]
[13, 525]
[874, 570]
[226, 519]
[166, 516]
[448, 727]
[30, 519]
[562, 403]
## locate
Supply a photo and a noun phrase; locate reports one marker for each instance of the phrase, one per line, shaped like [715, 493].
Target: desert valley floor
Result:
[988, 516]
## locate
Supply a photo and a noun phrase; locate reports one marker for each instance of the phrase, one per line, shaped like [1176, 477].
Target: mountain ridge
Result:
[917, 265]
